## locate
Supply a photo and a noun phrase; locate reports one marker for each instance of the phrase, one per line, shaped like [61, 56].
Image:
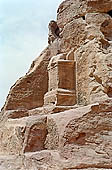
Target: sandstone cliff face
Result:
[27, 92]
[59, 115]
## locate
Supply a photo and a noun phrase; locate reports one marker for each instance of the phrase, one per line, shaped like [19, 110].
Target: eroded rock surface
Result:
[28, 91]
[21, 135]
[59, 115]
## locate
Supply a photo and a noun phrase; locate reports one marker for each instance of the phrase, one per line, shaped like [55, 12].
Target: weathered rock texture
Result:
[59, 115]
[28, 91]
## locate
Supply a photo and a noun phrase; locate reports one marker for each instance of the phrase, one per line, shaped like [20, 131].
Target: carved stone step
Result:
[60, 97]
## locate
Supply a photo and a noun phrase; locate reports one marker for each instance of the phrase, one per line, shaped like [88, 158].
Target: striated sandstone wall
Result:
[59, 115]
[28, 91]
[85, 27]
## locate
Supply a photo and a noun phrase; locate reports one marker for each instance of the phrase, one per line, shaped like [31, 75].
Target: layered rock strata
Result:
[59, 115]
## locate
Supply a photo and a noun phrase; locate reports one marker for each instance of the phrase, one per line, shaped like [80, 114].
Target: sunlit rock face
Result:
[59, 115]
[85, 27]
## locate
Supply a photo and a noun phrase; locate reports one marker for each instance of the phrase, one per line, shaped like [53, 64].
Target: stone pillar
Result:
[62, 88]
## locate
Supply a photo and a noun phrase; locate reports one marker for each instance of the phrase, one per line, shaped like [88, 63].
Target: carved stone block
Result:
[61, 90]
[60, 97]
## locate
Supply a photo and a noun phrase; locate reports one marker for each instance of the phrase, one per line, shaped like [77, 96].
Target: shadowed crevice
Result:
[110, 13]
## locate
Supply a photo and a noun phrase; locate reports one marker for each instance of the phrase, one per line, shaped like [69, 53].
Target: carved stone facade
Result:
[62, 83]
